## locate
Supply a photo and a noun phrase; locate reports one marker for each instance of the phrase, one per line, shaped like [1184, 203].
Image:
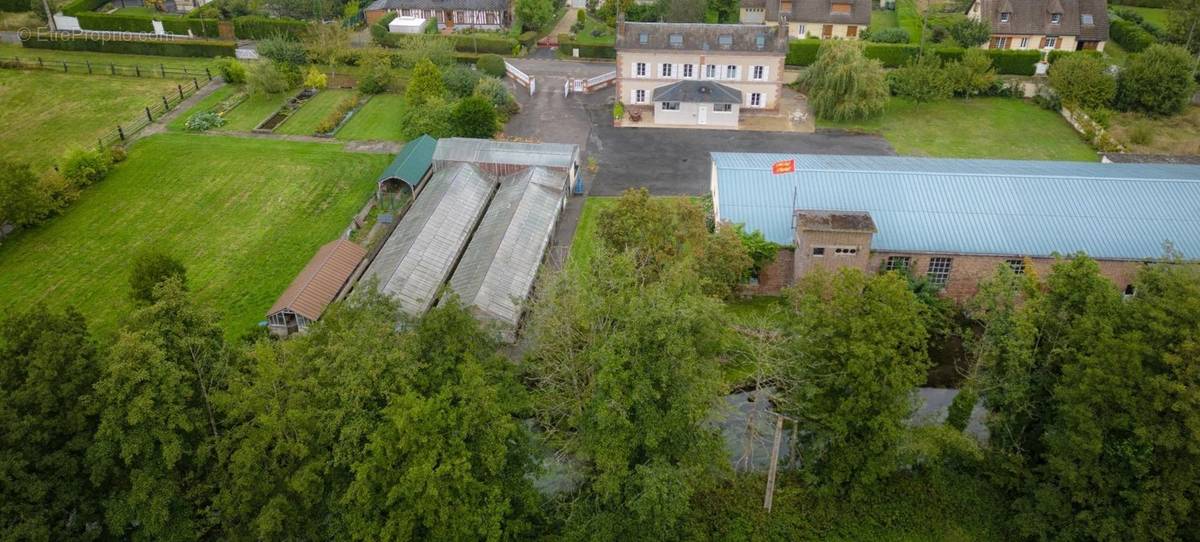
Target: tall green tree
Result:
[20, 201]
[474, 116]
[1158, 81]
[1083, 81]
[424, 84]
[48, 367]
[624, 373]
[856, 356]
[843, 84]
[151, 268]
[534, 14]
[450, 460]
[154, 450]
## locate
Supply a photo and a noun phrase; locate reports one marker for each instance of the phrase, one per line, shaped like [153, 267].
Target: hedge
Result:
[1129, 35]
[187, 48]
[144, 23]
[567, 45]
[484, 43]
[257, 27]
[893, 55]
[1143, 3]
[16, 6]
[79, 6]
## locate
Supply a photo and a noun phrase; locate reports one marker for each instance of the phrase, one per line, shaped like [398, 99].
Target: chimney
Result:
[620, 22]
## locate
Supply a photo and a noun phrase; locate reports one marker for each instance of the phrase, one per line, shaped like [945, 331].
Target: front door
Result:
[702, 115]
[826, 31]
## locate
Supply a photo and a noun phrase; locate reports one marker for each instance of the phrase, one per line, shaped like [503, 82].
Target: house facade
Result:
[824, 19]
[955, 221]
[687, 74]
[1067, 25]
[483, 14]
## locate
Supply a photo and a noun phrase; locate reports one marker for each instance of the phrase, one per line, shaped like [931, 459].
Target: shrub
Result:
[413, 49]
[802, 52]
[83, 167]
[891, 55]
[535, 14]
[20, 200]
[483, 43]
[843, 84]
[267, 78]
[460, 81]
[1082, 81]
[973, 75]
[433, 118]
[889, 35]
[335, 117]
[256, 27]
[151, 268]
[1130, 36]
[618, 110]
[970, 33]
[424, 83]
[186, 48]
[377, 78]
[921, 80]
[1157, 81]
[315, 79]
[492, 65]
[204, 121]
[567, 46]
[494, 90]
[16, 6]
[283, 49]
[1014, 62]
[232, 70]
[474, 116]
[1141, 134]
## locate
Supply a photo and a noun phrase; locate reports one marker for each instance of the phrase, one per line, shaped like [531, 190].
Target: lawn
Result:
[46, 113]
[253, 111]
[1179, 134]
[208, 102]
[979, 128]
[305, 120]
[378, 120]
[148, 63]
[909, 18]
[595, 32]
[244, 216]
[583, 245]
[1156, 16]
[883, 18]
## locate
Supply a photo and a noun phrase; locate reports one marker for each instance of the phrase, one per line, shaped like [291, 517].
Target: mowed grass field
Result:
[305, 120]
[244, 216]
[46, 113]
[9, 51]
[253, 111]
[1006, 128]
[208, 102]
[378, 120]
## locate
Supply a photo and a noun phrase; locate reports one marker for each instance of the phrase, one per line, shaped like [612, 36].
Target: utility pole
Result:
[773, 469]
[49, 16]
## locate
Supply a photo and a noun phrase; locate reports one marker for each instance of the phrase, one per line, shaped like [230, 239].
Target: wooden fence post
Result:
[40, 65]
[112, 68]
[208, 73]
[148, 117]
[121, 132]
[195, 84]
[163, 70]
[89, 66]
[137, 69]
[64, 66]
[166, 106]
[180, 88]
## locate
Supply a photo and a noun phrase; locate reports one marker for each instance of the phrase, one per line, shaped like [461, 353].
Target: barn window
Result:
[1017, 265]
[939, 270]
[897, 263]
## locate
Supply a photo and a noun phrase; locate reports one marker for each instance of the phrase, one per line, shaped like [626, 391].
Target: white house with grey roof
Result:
[483, 14]
[688, 74]
[479, 228]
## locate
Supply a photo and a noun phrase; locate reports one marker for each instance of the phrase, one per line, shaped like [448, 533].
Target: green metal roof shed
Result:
[411, 164]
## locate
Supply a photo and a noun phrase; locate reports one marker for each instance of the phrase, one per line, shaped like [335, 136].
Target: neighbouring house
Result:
[321, 282]
[690, 74]
[482, 223]
[487, 14]
[1067, 25]
[825, 19]
[954, 221]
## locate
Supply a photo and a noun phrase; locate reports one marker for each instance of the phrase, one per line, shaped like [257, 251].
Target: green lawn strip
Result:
[607, 34]
[909, 18]
[305, 120]
[148, 63]
[208, 102]
[583, 245]
[883, 18]
[1156, 16]
[244, 216]
[46, 113]
[978, 128]
[253, 111]
[380, 119]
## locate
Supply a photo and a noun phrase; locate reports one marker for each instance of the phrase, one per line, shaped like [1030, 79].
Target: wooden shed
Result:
[317, 285]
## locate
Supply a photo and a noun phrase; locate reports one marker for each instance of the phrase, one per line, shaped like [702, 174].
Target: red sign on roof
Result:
[783, 166]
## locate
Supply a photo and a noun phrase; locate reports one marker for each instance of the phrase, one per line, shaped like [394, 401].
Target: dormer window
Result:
[725, 41]
[676, 40]
[1055, 18]
[643, 38]
[760, 41]
[1005, 16]
[842, 9]
[1087, 19]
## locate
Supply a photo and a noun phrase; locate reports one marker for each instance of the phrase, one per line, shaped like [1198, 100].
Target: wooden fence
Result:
[123, 132]
[160, 71]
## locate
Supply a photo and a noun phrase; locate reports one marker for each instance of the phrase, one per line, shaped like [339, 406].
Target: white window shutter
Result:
[766, 73]
[633, 96]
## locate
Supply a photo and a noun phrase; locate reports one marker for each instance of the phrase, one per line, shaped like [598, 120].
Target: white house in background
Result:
[406, 25]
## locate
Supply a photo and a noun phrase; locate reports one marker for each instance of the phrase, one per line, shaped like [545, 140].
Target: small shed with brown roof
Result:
[317, 285]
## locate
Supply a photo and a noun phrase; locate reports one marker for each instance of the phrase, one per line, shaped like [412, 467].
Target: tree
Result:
[1157, 81]
[460, 81]
[474, 116]
[842, 84]
[411, 50]
[151, 268]
[232, 70]
[84, 167]
[973, 75]
[154, 450]
[683, 11]
[970, 33]
[283, 49]
[534, 14]
[434, 119]
[494, 90]
[728, 11]
[624, 377]
[314, 79]
[304, 9]
[449, 460]
[921, 80]
[47, 373]
[424, 84]
[857, 354]
[1082, 81]
[377, 77]
[492, 65]
[20, 201]
[327, 44]
[1183, 25]
[267, 78]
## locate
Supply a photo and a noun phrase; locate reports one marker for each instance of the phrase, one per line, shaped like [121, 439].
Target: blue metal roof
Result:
[1008, 207]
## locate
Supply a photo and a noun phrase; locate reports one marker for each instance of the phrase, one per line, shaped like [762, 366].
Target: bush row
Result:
[16, 5]
[893, 55]
[567, 44]
[257, 27]
[188, 48]
[90, 20]
[463, 43]
[1129, 35]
